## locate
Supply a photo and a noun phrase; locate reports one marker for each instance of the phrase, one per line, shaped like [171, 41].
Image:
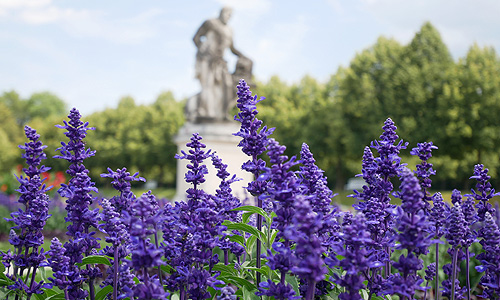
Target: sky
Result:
[91, 53]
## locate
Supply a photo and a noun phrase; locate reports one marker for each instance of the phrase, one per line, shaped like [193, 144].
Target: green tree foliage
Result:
[418, 85]
[139, 137]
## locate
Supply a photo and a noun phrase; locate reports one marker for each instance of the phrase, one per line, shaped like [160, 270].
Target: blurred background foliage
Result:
[430, 97]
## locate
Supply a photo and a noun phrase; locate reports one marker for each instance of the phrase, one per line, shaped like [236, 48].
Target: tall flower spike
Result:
[122, 182]
[456, 237]
[311, 266]
[490, 258]
[413, 236]
[29, 222]
[83, 220]
[424, 169]
[315, 182]
[253, 143]
[484, 192]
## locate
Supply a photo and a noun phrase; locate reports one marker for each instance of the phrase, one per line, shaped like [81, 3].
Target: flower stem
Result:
[311, 286]
[115, 273]
[467, 254]
[436, 287]
[453, 274]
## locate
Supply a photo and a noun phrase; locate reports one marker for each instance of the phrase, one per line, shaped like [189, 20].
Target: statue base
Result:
[218, 137]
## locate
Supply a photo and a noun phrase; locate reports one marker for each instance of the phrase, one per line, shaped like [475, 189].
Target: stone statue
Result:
[218, 86]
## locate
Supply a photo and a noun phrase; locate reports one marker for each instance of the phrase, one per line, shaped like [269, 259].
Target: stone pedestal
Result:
[218, 137]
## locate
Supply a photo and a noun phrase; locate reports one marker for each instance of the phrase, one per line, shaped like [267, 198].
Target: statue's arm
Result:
[235, 51]
[202, 31]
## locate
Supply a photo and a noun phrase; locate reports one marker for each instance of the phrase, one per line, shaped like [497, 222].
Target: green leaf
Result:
[40, 296]
[243, 227]
[250, 243]
[238, 239]
[175, 296]
[239, 282]
[245, 217]
[292, 280]
[50, 292]
[95, 259]
[249, 295]
[225, 270]
[260, 270]
[104, 292]
[59, 296]
[167, 269]
[43, 274]
[252, 209]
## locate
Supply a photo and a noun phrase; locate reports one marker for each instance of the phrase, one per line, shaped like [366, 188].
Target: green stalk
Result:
[453, 274]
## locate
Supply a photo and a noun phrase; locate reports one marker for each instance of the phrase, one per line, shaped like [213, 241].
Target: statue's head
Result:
[225, 14]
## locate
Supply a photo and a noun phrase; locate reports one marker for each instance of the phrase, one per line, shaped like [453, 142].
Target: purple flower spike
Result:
[83, 220]
[27, 233]
[315, 182]
[196, 156]
[484, 192]
[253, 143]
[490, 258]
[280, 291]
[254, 138]
[424, 169]
[122, 182]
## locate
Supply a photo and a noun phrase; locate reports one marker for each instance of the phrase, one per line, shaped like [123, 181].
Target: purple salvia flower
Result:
[413, 225]
[254, 142]
[122, 182]
[310, 267]
[484, 191]
[223, 197]
[456, 197]
[225, 201]
[283, 190]
[455, 235]
[430, 272]
[29, 222]
[114, 210]
[118, 237]
[389, 162]
[197, 170]
[145, 255]
[315, 182]
[78, 191]
[470, 217]
[413, 236]
[377, 172]
[320, 196]
[284, 185]
[61, 268]
[227, 293]
[424, 169]
[490, 258]
[356, 259]
[279, 291]
[437, 221]
[196, 232]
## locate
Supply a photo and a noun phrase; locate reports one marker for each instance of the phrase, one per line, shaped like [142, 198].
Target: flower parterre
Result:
[293, 244]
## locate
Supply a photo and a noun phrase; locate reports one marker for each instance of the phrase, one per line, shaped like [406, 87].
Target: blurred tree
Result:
[139, 137]
[470, 108]
[44, 105]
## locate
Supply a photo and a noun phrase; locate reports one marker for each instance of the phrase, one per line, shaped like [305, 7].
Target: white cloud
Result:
[84, 22]
[53, 14]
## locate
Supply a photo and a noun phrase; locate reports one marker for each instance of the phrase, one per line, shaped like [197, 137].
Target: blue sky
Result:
[91, 52]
